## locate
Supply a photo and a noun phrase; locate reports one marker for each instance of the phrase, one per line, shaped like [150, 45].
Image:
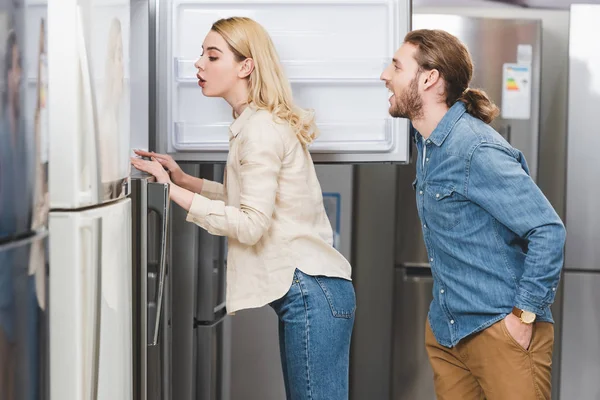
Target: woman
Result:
[271, 209]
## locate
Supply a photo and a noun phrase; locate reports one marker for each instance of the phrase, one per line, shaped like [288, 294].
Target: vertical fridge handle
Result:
[90, 142]
[158, 201]
[94, 226]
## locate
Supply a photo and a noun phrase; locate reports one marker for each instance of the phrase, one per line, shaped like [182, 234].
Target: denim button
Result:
[425, 226]
[427, 159]
[452, 321]
[431, 259]
[420, 192]
[442, 291]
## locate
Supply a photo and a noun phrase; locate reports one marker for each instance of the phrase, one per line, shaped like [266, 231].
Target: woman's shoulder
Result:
[265, 123]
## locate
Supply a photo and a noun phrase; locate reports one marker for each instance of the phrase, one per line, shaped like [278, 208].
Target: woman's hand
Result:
[166, 161]
[152, 167]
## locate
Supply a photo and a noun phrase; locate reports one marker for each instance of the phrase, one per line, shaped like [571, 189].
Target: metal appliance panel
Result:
[198, 275]
[504, 36]
[212, 356]
[151, 288]
[24, 356]
[412, 373]
[17, 140]
[580, 340]
[583, 191]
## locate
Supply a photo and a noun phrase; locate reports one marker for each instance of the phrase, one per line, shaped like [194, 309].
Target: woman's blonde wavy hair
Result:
[269, 88]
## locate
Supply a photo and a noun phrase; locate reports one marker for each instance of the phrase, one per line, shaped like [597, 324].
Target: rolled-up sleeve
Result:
[261, 152]
[499, 183]
[213, 190]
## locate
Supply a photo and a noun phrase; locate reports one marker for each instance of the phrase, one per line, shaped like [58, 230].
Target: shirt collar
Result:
[236, 127]
[441, 132]
[445, 126]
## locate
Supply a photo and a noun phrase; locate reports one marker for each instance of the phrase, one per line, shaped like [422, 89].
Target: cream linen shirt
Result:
[271, 209]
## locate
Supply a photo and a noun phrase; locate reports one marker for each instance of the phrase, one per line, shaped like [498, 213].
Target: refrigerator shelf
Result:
[359, 136]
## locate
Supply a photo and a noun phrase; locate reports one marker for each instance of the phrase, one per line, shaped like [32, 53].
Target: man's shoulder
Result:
[470, 133]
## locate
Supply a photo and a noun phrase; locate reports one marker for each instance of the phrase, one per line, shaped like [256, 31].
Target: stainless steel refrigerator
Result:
[23, 202]
[580, 341]
[496, 46]
[318, 53]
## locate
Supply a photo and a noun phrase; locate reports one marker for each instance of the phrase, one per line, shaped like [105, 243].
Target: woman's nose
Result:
[198, 64]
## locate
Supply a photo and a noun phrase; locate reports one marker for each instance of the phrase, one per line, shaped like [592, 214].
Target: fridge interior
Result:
[318, 51]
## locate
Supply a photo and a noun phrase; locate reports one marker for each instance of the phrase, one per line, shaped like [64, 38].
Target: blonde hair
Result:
[269, 88]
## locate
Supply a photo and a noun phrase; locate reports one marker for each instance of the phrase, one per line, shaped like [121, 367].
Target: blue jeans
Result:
[316, 318]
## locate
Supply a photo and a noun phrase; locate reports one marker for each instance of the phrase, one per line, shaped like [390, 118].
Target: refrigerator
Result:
[90, 220]
[319, 54]
[580, 355]
[516, 44]
[23, 202]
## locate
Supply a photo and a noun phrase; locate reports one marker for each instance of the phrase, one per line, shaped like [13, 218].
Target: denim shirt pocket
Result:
[443, 209]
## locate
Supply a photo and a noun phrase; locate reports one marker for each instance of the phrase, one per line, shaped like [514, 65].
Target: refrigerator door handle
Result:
[90, 142]
[94, 317]
[158, 201]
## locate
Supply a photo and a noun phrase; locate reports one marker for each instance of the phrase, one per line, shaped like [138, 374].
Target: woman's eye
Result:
[212, 58]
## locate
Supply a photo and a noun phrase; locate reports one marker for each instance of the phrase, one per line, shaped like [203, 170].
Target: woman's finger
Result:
[143, 153]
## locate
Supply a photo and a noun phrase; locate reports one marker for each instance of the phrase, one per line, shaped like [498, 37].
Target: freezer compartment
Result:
[89, 81]
[212, 360]
[24, 319]
[412, 373]
[580, 341]
[318, 53]
[90, 294]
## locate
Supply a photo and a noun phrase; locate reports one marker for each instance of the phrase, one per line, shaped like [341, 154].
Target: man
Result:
[495, 243]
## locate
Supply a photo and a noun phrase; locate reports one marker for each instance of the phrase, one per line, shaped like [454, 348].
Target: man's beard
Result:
[409, 104]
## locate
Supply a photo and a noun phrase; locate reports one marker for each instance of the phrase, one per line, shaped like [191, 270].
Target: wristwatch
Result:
[526, 317]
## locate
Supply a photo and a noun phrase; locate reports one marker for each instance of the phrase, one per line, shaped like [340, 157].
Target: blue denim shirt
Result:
[493, 239]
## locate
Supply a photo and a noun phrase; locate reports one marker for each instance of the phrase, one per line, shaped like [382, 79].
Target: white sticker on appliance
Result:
[516, 91]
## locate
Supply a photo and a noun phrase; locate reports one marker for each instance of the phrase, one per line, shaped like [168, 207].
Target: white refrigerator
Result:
[90, 219]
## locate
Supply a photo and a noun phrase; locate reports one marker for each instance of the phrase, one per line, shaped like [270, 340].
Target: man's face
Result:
[401, 79]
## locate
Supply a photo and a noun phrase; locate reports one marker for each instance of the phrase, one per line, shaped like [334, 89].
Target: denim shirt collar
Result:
[443, 129]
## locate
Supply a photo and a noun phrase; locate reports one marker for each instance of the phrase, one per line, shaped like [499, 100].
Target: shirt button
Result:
[442, 291]
[554, 289]
[437, 195]
[431, 259]
[452, 321]
[425, 226]
[427, 159]
[420, 192]
[428, 141]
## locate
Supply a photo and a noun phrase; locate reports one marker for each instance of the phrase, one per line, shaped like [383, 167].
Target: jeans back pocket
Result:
[340, 295]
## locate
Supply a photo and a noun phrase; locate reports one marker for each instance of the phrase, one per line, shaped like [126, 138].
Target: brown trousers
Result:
[492, 365]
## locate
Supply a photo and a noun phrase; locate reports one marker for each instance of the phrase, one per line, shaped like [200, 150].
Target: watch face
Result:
[528, 317]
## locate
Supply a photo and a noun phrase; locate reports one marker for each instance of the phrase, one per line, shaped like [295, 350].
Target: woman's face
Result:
[218, 70]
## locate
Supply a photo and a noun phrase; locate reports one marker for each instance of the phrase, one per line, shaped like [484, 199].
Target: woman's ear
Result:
[247, 66]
